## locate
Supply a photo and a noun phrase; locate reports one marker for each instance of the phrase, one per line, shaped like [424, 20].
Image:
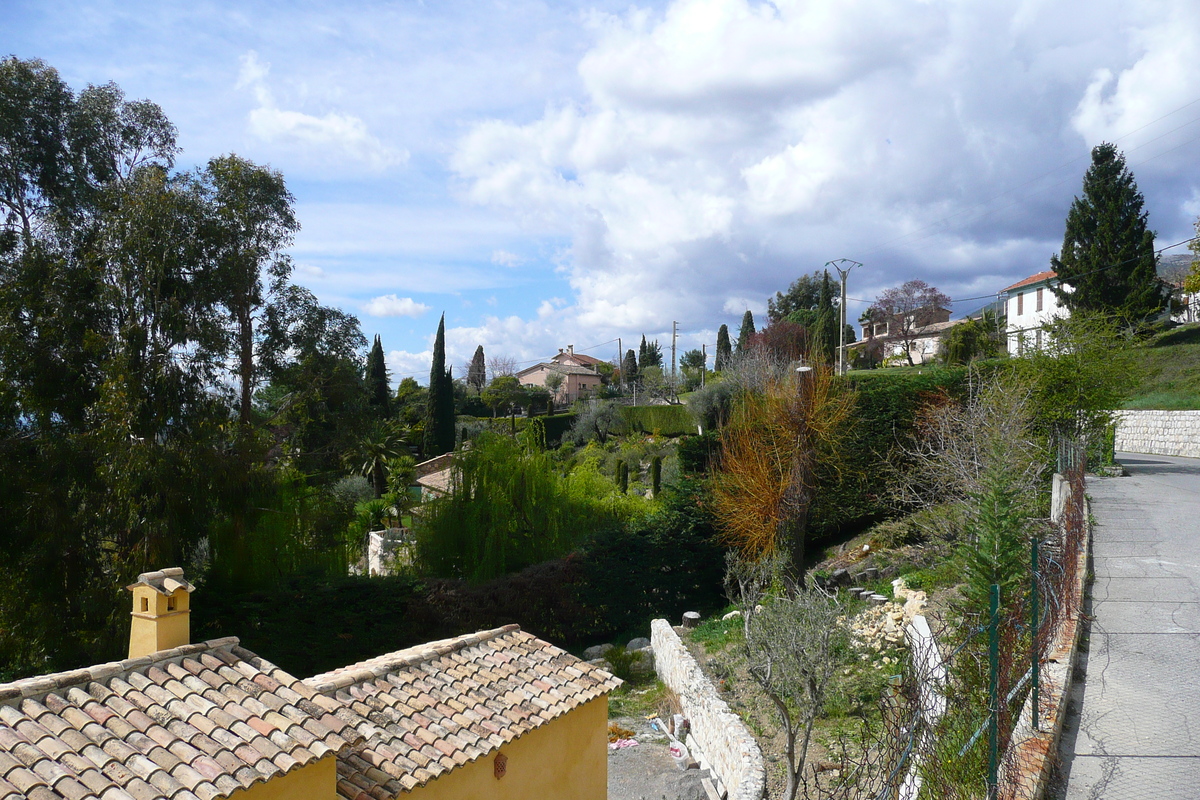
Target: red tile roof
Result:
[429, 709]
[203, 721]
[198, 722]
[1041, 276]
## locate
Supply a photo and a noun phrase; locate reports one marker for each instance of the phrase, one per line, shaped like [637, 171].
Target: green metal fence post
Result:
[1034, 651]
[994, 693]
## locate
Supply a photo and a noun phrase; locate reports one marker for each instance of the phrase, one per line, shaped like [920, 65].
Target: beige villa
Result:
[577, 371]
[494, 715]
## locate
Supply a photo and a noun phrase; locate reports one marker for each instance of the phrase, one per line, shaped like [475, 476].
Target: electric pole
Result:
[674, 336]
[621, 362]
[843, 267]
[703, 364]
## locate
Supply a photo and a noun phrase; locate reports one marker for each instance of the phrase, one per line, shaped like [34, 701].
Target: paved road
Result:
[1136, 732]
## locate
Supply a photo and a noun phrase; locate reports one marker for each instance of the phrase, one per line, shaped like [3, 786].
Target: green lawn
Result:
[1171, 366]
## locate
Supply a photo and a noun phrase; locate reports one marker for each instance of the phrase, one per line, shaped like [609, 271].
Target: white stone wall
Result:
[723, 742]
[1163, 433]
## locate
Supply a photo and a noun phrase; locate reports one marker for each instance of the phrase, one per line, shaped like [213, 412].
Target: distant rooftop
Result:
[1032, 279]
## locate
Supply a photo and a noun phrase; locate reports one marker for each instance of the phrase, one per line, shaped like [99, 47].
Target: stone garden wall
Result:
[1163, 433]
[724, 744]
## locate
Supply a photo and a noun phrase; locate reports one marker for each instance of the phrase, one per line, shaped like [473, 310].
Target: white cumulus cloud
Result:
[389, 305]
[332, 133]
[721, 148]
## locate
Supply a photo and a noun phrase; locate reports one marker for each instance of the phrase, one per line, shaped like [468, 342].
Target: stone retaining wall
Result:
[1163, 433]
[723, 742]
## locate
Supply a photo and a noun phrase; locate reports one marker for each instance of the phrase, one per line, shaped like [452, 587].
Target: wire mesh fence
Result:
[958, 719]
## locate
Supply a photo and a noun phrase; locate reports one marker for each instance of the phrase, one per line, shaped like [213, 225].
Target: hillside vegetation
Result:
[1170, 363]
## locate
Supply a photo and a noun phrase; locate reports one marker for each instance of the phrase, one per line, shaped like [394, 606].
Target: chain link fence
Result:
[959, 718]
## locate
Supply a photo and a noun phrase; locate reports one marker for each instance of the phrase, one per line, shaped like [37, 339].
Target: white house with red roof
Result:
[1030, 304]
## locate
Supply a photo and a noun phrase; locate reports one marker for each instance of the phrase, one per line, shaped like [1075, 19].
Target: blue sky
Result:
[572, 172]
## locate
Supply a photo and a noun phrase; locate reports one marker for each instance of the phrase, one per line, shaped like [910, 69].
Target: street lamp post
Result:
[843, 267]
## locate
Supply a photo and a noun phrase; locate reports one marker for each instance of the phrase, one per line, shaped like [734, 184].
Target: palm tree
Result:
[384, 441]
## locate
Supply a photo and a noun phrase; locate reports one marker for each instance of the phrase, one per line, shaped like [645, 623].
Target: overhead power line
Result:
[1157, 252]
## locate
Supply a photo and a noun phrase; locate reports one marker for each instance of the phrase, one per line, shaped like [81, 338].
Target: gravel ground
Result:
[647, 772]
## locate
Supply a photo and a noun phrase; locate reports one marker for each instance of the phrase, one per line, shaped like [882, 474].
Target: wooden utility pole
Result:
[621, 362]
[703, 364]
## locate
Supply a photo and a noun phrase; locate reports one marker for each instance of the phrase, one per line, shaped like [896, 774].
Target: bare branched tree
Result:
[957, 443]
[792, 643]
[908, 308]
[501, 366]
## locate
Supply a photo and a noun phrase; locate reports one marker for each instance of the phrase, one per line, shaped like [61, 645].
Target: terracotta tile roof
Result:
[561, 369]
[194, 723]
[1041, 276]
[579, 358]
[429, 709]
[163, 581]
[437, 481]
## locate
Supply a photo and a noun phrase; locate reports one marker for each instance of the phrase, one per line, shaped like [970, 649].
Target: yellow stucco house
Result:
[494, 715]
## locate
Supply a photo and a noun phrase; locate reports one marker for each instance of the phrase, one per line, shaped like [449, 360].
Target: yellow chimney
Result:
[161, 611]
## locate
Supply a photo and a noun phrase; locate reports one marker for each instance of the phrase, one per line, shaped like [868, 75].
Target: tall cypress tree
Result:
[724, 349]
[477, 372]
[377, 381]
[439, 414]
[650, 356]
[825, 331]
[746, 332]
[629, 368]
[1108, 252]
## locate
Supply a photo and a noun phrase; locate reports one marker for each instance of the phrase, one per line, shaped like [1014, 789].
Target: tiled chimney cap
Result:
[164, 581]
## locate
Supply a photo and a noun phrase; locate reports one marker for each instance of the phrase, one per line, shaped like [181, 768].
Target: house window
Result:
[1020, 304]
[1038, 337]
[1039, 300]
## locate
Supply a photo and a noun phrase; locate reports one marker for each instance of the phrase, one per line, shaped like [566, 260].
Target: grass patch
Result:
[638, 699]
[1170, 365]
[717, 634]
[941, 575]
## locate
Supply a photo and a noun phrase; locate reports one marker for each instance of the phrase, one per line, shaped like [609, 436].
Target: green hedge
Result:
[854, 492]
[666, 420]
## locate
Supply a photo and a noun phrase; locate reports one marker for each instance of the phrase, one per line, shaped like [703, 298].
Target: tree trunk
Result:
[246, 363]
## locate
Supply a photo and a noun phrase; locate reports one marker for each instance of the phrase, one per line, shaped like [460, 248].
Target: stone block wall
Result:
[1163, 433]
[724, 743]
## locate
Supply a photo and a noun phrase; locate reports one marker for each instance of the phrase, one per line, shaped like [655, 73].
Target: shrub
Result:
[663, 420]
[710, 406]
[510, 508]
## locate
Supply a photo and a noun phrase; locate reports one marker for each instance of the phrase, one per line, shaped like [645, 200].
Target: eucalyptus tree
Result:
[252, 224]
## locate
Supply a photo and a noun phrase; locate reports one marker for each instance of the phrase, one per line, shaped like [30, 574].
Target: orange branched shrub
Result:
[770, 449]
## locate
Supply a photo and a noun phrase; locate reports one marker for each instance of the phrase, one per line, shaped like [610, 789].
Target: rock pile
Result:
[881, 627]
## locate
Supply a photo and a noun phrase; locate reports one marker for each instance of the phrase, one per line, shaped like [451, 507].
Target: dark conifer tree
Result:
[650, 356]
[1108, 255]
[439, 414]
[629, 369]
[477, 372]
[724, 349]
[825, 331]
[380, 396]
[747, 330]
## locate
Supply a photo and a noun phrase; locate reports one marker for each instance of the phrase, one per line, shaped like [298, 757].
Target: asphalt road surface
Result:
[1135, 728]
